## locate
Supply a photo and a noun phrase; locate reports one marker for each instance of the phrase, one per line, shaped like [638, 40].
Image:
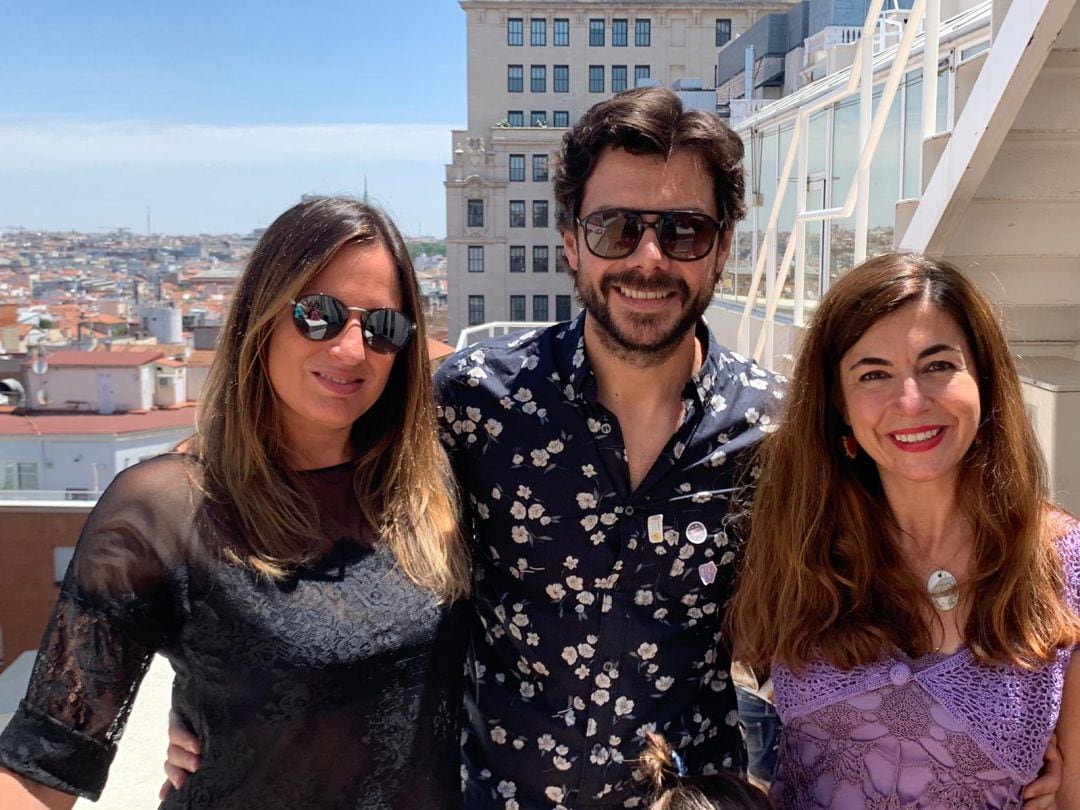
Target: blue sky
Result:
[218, 115]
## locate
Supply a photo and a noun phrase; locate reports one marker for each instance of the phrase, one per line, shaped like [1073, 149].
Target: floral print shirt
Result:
[599, 608]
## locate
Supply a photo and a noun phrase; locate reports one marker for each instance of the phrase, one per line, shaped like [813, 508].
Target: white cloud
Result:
[39, 145]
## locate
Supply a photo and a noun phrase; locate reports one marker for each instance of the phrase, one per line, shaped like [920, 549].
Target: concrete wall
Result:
[125, 388]
[86, 462]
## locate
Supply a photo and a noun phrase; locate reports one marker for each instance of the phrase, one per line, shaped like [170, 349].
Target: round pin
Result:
[696, 533]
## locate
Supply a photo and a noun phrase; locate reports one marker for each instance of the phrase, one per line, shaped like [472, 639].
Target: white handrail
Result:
[495, 328]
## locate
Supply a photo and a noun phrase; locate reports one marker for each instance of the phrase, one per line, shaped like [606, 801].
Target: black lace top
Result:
[337, 688]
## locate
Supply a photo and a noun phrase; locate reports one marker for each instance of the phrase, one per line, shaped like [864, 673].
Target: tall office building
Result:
[534, 68]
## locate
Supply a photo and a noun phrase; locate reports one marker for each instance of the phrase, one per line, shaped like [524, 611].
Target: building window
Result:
[596, 78]
[476, 310]
[560, 81]
[618, 33]
[540, 261]
[18, 475]
[517, 307]
[643, 33]
[517, 258]
[517, 213]
[537, 32]
[476, 258]
[540, 168]
[476, 214]
[560, 118]
[618, 78]
[562, 307]
[540, 307]
[515, 31]
[596, 33]
[538, 118]
[540, 215]
[723, 32]
[515, 118]
[560, 260]
[640, 72]
[562, 32]
[517, 168]
[515, 78]
[538, 78]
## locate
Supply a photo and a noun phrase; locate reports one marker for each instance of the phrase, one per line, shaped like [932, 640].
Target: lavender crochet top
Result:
[942, 731]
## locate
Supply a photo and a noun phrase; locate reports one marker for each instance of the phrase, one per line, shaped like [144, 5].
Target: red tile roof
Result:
[54, 424]
[438, 350]
[102, 359]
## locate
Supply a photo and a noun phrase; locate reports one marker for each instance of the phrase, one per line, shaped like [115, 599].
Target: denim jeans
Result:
[762, 726]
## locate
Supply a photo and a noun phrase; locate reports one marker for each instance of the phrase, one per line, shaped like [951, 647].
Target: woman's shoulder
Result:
[1065, 529]
[150, 496]
[156, 479]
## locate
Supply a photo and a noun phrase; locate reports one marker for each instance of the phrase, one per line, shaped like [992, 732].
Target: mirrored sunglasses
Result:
[322, 317]
[683, 235]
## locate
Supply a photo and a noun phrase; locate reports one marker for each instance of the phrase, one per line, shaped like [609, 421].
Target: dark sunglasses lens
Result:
[612, 234]
[387, 331]
[687, 236]
[319, 317]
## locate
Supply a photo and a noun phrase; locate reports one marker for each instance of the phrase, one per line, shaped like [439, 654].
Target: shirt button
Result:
[609, 666]
[629, 510]
[605, 428]
[899, 674]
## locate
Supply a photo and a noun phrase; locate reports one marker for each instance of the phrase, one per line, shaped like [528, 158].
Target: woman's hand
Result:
[184, 755]
[1040, 794]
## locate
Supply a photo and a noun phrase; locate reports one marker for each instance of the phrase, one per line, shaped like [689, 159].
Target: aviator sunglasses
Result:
[322, 317]
[683, 235]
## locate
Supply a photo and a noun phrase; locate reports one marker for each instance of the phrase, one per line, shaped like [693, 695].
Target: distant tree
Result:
[433, 248]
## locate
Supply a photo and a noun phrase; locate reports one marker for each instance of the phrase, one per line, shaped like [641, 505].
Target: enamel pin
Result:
[707, 572]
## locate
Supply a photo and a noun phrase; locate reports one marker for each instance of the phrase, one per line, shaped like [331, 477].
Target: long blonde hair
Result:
[823, 576]
[403, 483]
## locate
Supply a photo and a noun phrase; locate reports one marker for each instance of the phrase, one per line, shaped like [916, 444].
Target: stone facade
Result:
[497, 161]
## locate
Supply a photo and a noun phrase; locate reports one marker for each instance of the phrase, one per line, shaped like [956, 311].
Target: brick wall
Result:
[28, 536]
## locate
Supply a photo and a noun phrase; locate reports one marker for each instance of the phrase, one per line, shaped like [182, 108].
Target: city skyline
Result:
[217, 119]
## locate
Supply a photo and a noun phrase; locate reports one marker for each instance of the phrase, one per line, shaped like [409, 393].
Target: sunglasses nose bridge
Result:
[649, 241]
[350, 343]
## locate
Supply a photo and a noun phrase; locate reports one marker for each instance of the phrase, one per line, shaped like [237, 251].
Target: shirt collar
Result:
[576, 372]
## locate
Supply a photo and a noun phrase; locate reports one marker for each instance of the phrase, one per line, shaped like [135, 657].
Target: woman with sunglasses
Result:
[297, 560]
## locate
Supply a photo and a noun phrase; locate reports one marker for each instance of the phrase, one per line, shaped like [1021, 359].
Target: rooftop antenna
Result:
[365, 190]
[148, 220]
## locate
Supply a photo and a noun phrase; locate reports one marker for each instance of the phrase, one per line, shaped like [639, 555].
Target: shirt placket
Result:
[635, 509]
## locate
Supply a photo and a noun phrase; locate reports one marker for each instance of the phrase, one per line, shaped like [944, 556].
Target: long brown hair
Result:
[823, 576]
[403, 483]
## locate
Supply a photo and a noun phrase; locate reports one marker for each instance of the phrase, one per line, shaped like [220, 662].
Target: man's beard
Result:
[621, 341]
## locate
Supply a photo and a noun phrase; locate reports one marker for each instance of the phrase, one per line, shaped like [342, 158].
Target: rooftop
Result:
[100, 359]
[44, 423]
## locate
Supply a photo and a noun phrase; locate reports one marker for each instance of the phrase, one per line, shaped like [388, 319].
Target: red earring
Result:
[851, 447]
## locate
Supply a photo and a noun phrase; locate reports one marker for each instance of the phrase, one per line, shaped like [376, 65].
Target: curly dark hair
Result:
[650, 121]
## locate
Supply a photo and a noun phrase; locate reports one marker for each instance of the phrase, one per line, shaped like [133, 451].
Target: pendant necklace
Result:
[941, 585]
[942, 589]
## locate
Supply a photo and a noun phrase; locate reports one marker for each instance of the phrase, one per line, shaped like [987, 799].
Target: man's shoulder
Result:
[737, 374]
[499, 360]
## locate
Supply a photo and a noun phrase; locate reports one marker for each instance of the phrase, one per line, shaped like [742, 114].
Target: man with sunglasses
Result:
[601, 463]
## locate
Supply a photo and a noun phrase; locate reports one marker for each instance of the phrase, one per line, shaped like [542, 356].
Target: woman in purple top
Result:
[928, 590]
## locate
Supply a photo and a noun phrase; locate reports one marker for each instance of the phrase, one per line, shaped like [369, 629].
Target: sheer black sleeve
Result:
[114, 611]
